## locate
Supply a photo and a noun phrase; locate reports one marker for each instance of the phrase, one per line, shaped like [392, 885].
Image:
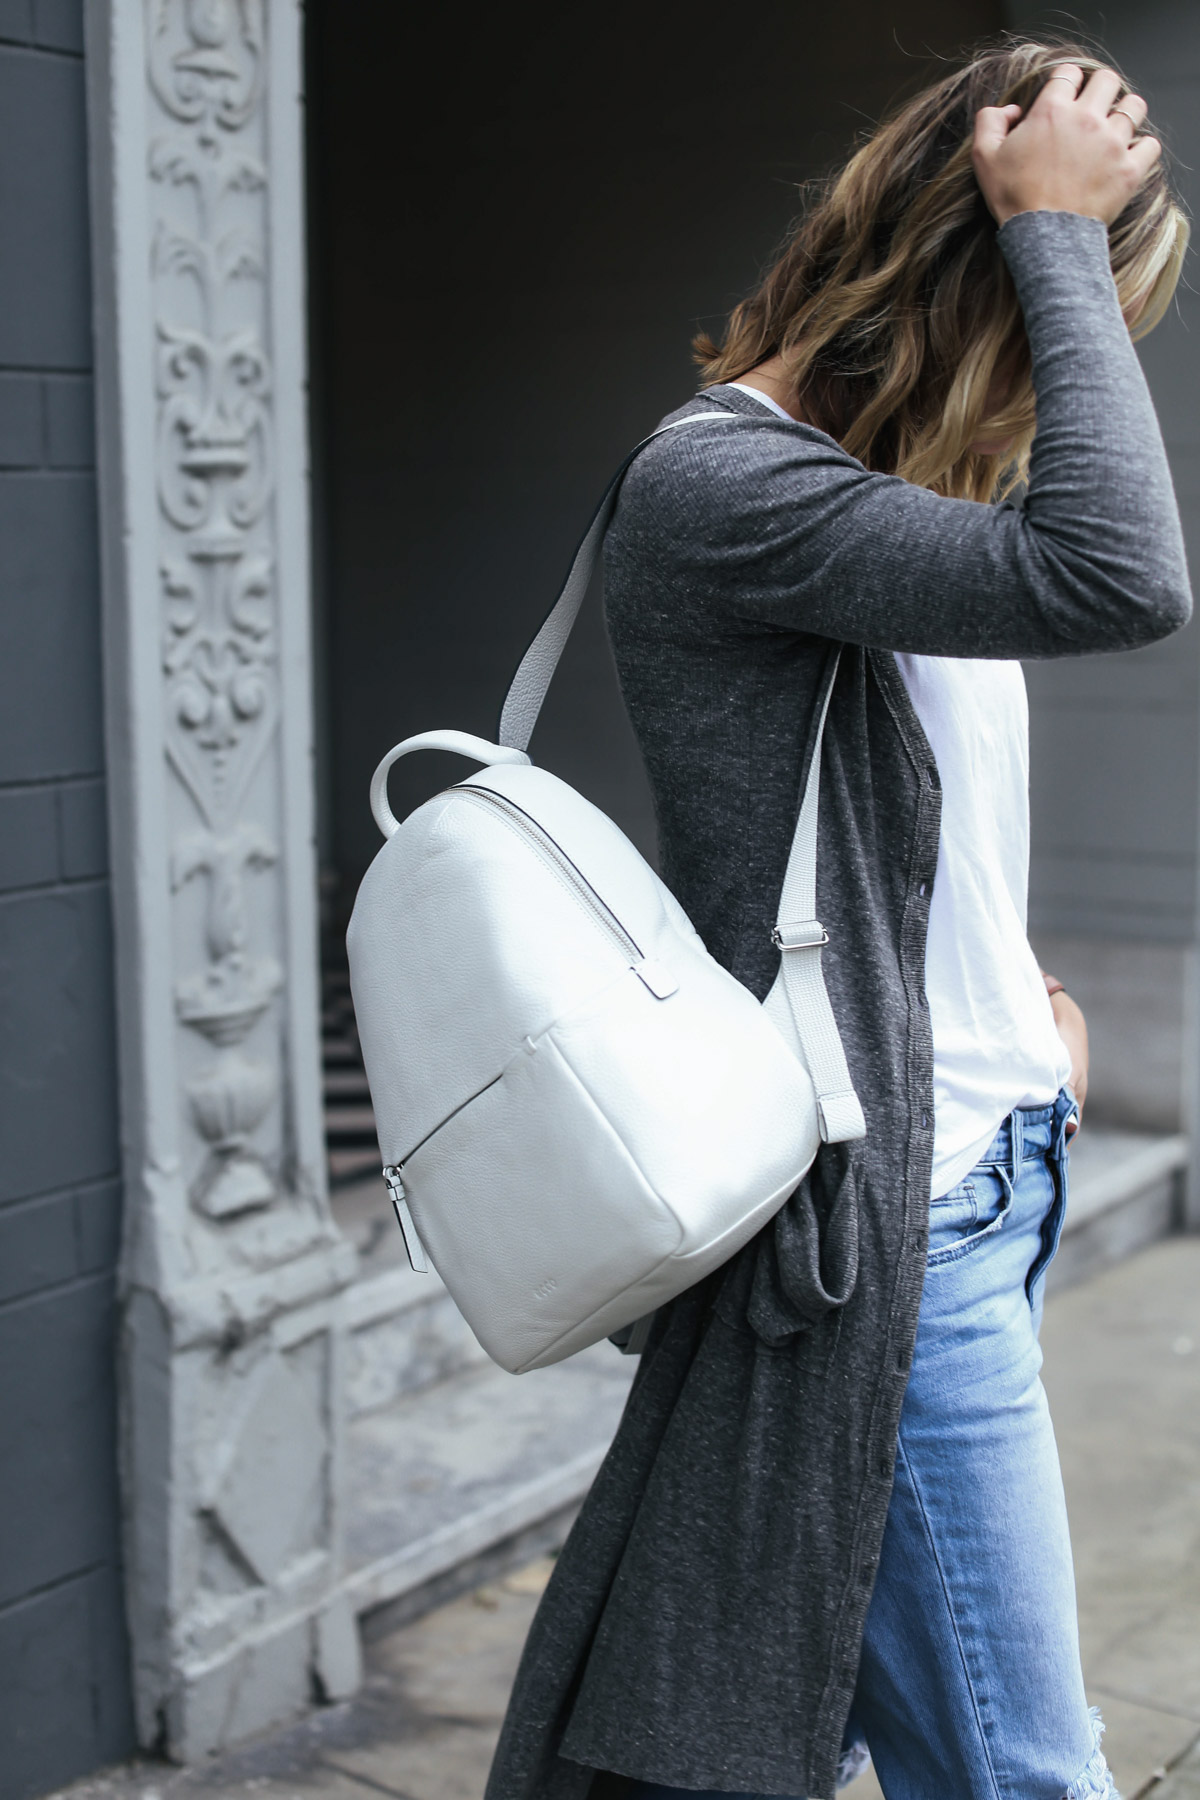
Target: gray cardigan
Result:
[703, 1624]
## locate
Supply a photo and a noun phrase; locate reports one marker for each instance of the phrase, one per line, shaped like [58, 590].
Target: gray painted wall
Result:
[64, 1691]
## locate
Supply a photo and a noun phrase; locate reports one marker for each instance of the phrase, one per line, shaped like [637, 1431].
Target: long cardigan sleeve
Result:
[774, 524]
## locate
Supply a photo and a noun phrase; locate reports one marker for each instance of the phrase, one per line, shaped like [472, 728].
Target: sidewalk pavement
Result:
[1123, 1374]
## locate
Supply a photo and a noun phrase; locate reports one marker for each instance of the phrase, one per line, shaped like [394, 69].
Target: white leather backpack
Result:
[580, 1112]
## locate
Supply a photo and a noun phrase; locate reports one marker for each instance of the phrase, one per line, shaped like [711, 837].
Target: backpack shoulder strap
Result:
[535, 672]
[798, 1004]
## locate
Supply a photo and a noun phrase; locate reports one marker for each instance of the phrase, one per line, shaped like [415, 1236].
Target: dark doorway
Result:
[519, 215]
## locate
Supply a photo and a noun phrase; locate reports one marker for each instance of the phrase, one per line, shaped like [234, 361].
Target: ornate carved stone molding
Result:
[215, 436]
[233, 1267]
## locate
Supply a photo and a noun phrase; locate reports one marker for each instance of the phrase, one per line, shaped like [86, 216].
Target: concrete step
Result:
[405, 1334]
[452, 1462]
[438, 1479]
[1125, 1190]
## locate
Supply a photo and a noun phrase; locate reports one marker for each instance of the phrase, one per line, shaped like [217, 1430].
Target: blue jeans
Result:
[969, 1684]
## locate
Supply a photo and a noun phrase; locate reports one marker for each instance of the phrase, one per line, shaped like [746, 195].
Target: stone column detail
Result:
[232, 1268]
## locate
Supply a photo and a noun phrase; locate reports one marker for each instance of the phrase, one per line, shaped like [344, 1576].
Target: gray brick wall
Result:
[64, 1684]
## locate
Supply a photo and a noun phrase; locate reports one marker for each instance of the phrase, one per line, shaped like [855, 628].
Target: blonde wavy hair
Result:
[891, 304]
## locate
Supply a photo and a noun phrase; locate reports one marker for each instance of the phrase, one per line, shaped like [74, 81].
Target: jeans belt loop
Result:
[1018, 1142]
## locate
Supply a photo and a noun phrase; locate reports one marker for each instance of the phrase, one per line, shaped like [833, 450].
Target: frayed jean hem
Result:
[854, 1761]
[1095, 1781]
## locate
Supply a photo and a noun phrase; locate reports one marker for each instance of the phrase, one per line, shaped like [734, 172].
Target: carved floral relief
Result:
[213, 387]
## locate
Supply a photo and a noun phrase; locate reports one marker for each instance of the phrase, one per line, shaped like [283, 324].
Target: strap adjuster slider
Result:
[807, 934]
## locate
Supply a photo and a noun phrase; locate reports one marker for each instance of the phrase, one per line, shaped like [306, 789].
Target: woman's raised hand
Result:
[1075, 150]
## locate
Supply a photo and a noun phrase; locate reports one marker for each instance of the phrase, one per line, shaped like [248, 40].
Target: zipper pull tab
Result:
[412, 1242]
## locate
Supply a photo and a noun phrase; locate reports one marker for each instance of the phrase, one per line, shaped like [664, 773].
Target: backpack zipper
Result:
[408, 1230]
[553, 853]
[393, 1174]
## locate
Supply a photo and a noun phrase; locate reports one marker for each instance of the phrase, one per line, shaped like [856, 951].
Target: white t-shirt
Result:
[995, 1044]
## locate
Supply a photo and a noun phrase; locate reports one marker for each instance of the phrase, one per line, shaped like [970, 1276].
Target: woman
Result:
[833, 1515]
